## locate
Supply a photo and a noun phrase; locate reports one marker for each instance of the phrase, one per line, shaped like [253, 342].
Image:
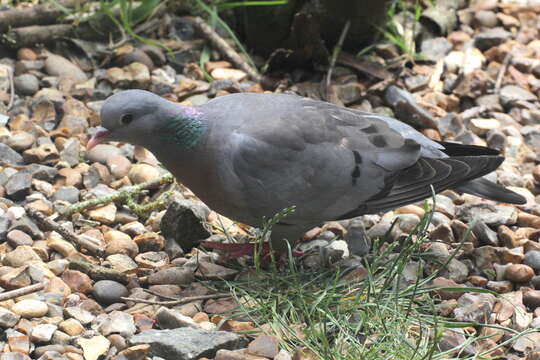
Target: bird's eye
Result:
[126, 119]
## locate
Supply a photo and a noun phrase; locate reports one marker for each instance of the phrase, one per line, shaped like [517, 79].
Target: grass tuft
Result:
[358, 309]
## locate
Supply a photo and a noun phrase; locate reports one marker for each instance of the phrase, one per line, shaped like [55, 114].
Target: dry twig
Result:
[178, 301]
[337, 50]
[22, 291]
[223, 47]
[502, 71]
[67, 234]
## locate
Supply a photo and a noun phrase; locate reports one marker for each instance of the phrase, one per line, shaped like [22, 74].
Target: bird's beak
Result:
[98, 137]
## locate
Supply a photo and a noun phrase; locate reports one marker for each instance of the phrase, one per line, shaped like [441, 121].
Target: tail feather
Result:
[488, 190]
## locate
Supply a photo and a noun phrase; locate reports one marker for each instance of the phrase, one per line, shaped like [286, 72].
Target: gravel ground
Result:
[480, 86]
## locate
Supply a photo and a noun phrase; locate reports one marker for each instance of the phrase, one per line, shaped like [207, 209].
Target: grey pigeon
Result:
[249, 156]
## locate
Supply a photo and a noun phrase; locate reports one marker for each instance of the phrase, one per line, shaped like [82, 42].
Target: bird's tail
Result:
[491, 191]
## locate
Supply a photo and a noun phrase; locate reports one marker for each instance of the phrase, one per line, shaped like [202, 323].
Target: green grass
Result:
[364, 312]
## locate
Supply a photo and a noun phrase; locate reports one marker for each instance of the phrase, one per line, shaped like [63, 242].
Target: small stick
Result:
[67, 234]
[123, 194]
[502, 71]
[98, 272]
[179, 301]
[227, 50]
[337, 50]
[22, 291]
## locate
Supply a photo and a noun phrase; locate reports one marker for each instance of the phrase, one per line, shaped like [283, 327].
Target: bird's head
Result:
[127, 116]
[143, 118]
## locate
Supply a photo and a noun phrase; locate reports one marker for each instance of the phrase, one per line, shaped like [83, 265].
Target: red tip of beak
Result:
[98, 137]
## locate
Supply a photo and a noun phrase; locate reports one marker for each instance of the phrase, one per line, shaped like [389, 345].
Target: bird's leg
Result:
[236, 250]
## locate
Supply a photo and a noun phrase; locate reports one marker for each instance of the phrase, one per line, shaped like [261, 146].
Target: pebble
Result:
[170, 319]
[228, 74]
[117, 322]
[532, 259]
[30, 308]
[512, 93]
[26, 84]
[94, 347]
[531, 298]
[120, 243]
[8, 319]
[187, 343]
[118, 165]
[265, 346]
[72, 327]
[19, 185]
[10, 156]
[68, 194]
[490, 38]
[519, 273]
[43, 333]
[172, 275]
[22, 255]
[105, 214]
[108, 292]
[57, 65]
[21, 141]
[17, 238]
[140, 173]
[101, 152]
[77, 281]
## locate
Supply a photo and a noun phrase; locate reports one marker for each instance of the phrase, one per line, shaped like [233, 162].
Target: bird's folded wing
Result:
[325, 160]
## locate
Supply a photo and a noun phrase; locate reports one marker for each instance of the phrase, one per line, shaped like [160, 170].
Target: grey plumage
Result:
[249, 156]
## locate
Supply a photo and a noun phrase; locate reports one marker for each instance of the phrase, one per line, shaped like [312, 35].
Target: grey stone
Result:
[26, 84]
[57, 65]
[492, 37]
[173, 275]
[356, 237]
[42, 172]
[187, 343]
[184, 222]
[492, 215]
[484, 234]
[10, 156]
[28, 226]
[43, 333]
[19, 185]
[66, 193]
[8, 319]
[5, 222]
[474, 307]
[435, 48]
[510, 94]
[117, 322]
[532, 258]
[109, 292]
[70, 152]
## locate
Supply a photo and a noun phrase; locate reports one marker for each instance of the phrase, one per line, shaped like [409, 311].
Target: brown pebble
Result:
[120, 243]
[528, 220]
[519, 273]
[26, 54]
[150, 241]
[77, 281]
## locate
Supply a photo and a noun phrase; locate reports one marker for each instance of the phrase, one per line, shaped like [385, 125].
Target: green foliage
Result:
[341, 314]
[402, 33]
